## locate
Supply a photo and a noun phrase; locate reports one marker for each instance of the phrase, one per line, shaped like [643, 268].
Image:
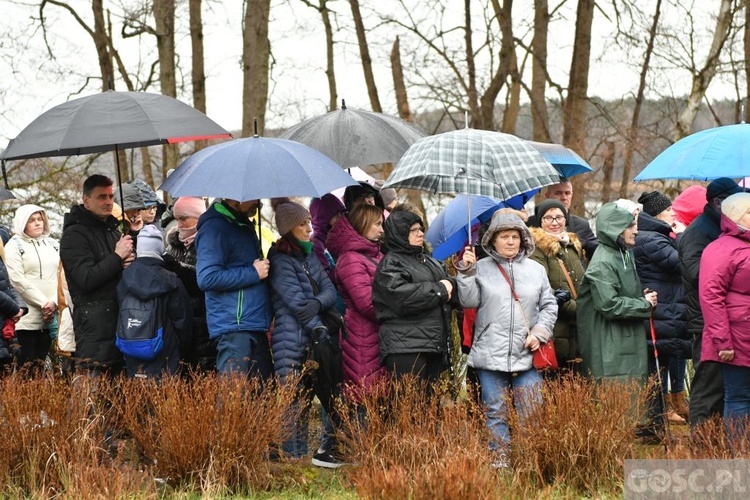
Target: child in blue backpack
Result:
[156, 315]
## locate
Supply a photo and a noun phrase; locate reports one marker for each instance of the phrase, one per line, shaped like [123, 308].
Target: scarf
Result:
[306, 246]
[563, 237]
[187, 235]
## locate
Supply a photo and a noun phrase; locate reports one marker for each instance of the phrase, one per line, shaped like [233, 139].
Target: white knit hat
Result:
[736, 206]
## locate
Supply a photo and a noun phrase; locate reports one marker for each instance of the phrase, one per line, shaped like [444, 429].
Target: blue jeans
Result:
[496, 386]
[244, 352]
[677, 368]
[736, 401]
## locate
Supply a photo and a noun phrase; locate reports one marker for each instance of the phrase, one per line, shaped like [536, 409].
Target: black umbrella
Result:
[111, 121]
[353, 137]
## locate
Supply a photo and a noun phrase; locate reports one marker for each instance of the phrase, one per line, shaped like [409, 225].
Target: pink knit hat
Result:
[188, 206]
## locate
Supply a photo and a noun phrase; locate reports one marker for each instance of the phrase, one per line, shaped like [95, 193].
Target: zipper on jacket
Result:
[39, 258]
[240, 297]
[512, 314]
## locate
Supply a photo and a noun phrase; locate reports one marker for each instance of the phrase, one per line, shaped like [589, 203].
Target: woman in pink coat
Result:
[354, 243]
[724, 288]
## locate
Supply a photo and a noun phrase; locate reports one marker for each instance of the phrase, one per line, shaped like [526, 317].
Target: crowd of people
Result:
[152, 291]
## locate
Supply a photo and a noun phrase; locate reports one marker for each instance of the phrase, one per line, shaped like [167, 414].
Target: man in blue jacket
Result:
[232, 272]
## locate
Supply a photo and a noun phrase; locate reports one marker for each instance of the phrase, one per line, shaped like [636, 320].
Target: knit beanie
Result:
[736, 206]
[288, 214]
[628, 205]
[654, 202]
[722, 188]
[150, 242]
[547, 205]
[188, 206]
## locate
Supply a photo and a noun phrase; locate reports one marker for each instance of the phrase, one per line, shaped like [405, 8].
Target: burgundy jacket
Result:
[356, 262]
[725, 295]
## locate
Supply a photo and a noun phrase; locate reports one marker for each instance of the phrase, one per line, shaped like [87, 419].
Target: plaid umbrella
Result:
[473, 161]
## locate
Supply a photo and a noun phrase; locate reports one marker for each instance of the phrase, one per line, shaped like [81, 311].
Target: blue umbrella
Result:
[257, 167]
[710, 154]
[565, 160]
[449, 232]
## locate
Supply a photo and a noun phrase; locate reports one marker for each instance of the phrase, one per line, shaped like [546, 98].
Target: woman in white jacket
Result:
[32, 259]
[506, 330]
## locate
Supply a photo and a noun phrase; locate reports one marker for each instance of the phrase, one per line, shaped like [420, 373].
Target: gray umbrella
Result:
[111, 121]
[353, 137]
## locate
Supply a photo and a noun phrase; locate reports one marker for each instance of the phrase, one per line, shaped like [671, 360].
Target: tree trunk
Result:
[399, 86]
[632, 141]
[475, 115]
[364, 52]
[505, 68]
[330, 73]
[164, 20]
[100, 41]
[703, 77]
[198, 63]
[574, 115]
[608, 166]
[256, 51]
[539, 116]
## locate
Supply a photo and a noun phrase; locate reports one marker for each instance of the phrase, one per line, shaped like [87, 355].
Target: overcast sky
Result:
[30, 83]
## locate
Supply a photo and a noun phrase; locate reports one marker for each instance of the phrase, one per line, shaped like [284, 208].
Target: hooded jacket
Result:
[658, 268]
[356, 262]
[147, 278]
[236, 298]
[547, 252]
[93, 269]
[410, 303]
[32, 266]
[611, 305]
[290, 277]
[502, 324]
[725, 295]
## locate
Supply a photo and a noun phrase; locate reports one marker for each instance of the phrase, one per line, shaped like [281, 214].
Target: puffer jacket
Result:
[236, 298]
[32, 267]
[410, 304]
[356, 262]
[725, 295]
[502, 324]
[611, 305]
[93, 269]
[290, 287]
[547, 252]
[10, 303]
[658, 266]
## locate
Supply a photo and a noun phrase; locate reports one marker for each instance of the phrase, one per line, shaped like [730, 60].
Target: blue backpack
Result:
[140, 327]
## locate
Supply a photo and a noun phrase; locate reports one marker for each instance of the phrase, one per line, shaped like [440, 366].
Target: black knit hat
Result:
[654, 202]
[547, 205]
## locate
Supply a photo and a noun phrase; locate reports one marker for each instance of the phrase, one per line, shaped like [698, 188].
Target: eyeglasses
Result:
[558, 219]
[416, 230]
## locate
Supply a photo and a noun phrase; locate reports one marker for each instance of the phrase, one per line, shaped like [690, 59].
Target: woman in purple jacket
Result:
[724, 290]
[353, 242]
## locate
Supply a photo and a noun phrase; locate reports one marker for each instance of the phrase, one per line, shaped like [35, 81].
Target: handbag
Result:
[544, 357]
[331, 318]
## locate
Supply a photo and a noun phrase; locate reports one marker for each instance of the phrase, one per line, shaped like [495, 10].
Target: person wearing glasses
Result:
[561, 254]
[412, 295]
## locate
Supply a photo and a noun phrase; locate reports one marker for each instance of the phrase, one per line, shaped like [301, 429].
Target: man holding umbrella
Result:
[93, 254]
[232, 273]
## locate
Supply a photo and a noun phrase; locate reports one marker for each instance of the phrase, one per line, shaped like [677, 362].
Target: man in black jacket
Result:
[707, 388]
[93, 254]
[563, 192]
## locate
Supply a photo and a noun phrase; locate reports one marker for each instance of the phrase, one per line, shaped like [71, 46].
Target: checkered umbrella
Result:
[472, 161]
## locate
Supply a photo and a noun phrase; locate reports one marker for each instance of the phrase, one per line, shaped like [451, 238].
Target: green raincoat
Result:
[611, 306]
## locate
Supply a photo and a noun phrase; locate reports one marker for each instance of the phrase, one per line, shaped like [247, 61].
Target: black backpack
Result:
[140, 327]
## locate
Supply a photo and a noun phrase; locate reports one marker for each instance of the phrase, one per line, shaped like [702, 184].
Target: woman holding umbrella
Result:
[300, 291]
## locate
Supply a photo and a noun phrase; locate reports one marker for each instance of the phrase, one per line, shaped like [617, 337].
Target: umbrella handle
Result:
[468, 211]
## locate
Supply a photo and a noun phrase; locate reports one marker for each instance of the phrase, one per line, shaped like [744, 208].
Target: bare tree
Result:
[198, 62]
[364, 52]
[256, 52]
[164, 21]
[574, 117]
[702, 77]
[539, 116]
[325, 14]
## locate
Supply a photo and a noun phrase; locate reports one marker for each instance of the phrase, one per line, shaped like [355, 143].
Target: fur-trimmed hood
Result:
[551, 246]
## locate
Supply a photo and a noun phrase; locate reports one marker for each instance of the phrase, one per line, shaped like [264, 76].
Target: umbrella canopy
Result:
[565, 160]
[353, 137]
[710, 154]
[256, 167]
[449, 231]
[111, 120]
[473, 162]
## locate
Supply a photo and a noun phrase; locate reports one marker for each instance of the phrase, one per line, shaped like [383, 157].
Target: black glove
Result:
[309, 308]
[562, 296]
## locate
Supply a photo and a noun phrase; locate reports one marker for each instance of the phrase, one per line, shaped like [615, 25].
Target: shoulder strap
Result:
[573, 292]
[515, 296]
[369, 258]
